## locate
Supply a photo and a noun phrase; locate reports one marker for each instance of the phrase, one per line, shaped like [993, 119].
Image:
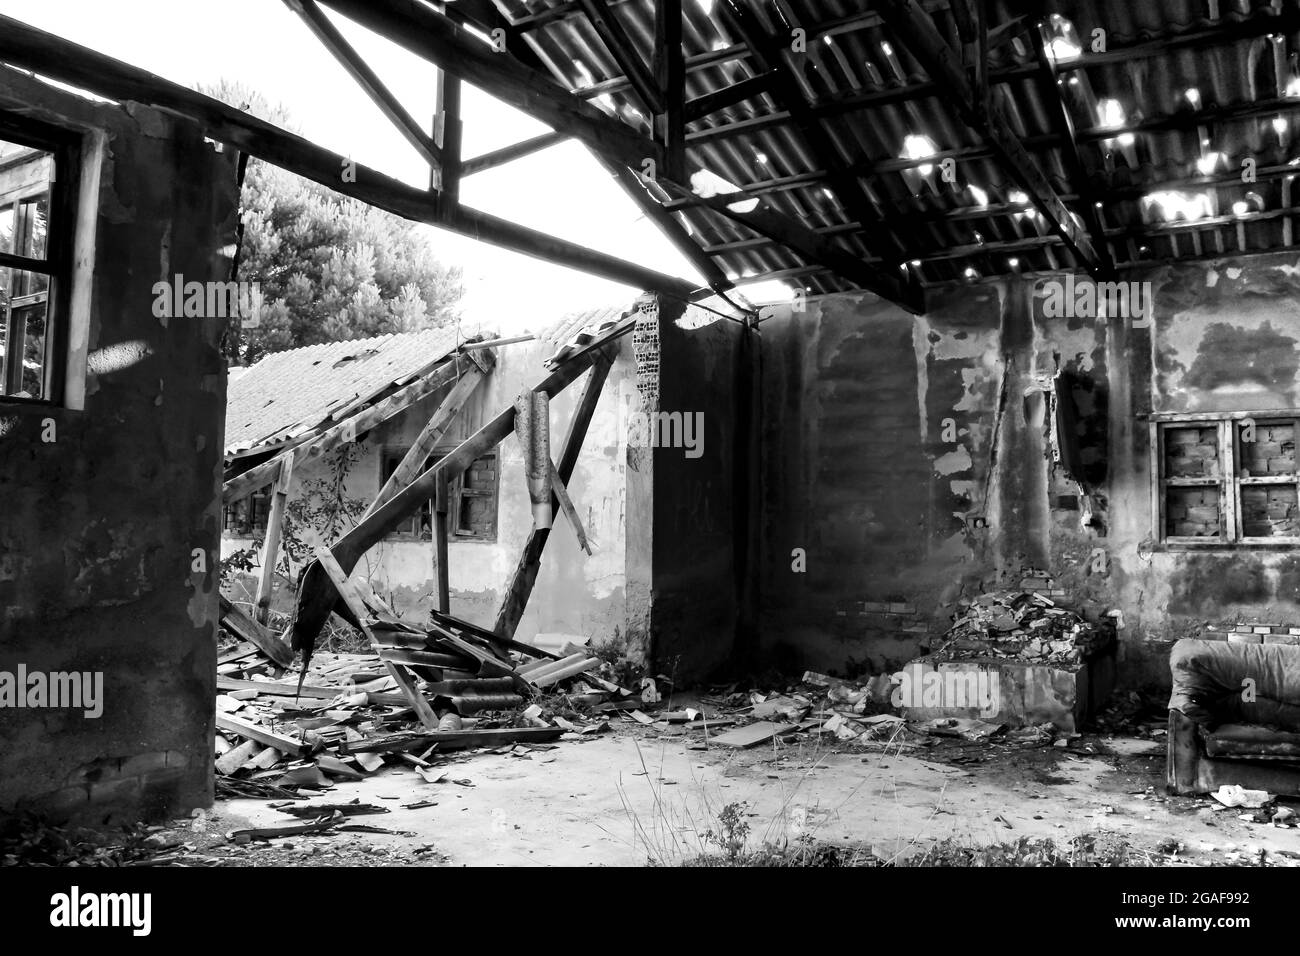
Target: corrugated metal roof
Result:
[871, 93]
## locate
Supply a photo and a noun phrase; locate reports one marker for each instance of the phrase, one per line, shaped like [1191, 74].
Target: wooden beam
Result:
[711, 102]
[1064, 124]
[625, 54]
[234, 620]
[314, 448]
[412, 462]
[669, 225]
[366, 78]
[914, 27]
[887, 243]
[447, 131]
[515, 599]
[816, 248]
[508, 154]
[489, 228]
[58, 59]
[440, 530]
[670, 79]
[561, 495]
[347, 590]
[434, 36]
[271, 542]
[314, 599]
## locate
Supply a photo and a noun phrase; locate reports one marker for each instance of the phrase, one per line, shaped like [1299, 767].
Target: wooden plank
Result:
[449, 740]
[267, 738]
[412, 462]
[507, 154]
[670, 78]
[447, 129]
[271, 542]
[352, 598]
[315, 600]
[245, 628]
[440, 532]
[515, 600]
[625, 54]
[752, 734]
[561, 494]
[273, 689]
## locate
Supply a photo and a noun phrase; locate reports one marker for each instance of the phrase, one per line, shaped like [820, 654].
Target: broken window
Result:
[1226, 478]
[471, 500]
[247, 517]
[32, 264]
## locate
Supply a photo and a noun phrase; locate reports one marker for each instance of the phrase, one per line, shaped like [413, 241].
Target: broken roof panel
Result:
[296, 391]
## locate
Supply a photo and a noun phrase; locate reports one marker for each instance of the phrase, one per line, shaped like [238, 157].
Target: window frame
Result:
[456, 493]
[65, 147]
[1229, 483]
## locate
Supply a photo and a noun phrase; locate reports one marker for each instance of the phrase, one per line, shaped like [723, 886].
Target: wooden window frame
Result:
[1229, 483]
[456, 493]
[64, 145]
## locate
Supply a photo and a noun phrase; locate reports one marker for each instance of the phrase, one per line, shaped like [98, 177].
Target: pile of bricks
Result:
[1193, 512]
[1269, 511]
[1271, 453]
[1192, 453]
[1244, 632]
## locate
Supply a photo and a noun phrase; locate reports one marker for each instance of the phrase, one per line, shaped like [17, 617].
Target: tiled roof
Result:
[292, 392]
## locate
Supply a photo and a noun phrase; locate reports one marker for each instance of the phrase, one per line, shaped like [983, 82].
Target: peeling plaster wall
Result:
[910, 456]
[98, 526]
[575, 593]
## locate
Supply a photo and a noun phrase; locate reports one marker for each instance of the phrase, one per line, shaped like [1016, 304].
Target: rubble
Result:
[1024, 626]
[350, 715]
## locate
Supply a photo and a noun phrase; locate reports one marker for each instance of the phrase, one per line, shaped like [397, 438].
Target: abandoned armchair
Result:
[1234, 717]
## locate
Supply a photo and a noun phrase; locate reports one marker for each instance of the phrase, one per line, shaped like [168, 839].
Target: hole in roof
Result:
[358, 357]
[1062, 39]
[919, 146]
[1172, 205]
[705, 183]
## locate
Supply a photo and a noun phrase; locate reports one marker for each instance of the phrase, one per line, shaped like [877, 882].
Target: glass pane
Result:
[1192, 452]
[1271, 453]
[25, 176]
[23, 335]
[1269, 511]
[1193, 513]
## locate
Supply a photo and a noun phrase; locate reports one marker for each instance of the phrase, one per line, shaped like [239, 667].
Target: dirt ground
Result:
[637, 795]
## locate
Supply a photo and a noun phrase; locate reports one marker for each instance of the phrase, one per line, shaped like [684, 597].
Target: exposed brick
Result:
[1282, 638]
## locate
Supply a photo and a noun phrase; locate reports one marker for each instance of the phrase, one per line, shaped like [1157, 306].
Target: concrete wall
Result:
[575, 593]
[912, 457]
[688, 561]
[99, 526]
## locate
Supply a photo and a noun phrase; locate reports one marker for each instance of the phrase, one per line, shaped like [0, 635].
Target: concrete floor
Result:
[633, 795]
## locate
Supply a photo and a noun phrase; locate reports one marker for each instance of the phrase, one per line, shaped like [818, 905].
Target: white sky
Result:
[563, 190]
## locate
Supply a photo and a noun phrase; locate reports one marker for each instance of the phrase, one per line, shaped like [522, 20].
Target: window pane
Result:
[1269, 511]
[25, 176]
[1271, 453]
[1193, 513]
[22, 334]
[1192, 452]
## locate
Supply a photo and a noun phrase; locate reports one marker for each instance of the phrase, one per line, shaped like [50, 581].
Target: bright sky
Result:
[563, 190]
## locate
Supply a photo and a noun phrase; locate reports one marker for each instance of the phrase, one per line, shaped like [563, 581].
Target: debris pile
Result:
[425, 692]
[1024, 626]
